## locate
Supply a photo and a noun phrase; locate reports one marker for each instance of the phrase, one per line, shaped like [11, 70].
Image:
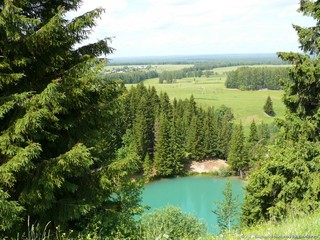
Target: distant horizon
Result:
[188, 55]
[196, 58]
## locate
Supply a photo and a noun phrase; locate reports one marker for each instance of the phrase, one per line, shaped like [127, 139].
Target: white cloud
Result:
[109, 5]
[169, 27]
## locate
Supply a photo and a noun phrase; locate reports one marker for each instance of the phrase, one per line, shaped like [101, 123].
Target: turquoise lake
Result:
[195, 195]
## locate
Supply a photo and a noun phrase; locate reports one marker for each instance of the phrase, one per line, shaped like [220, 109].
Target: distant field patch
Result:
[211, 91]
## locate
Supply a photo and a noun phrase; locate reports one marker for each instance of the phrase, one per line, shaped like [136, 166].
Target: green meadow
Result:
[293, 227]
[211, 91]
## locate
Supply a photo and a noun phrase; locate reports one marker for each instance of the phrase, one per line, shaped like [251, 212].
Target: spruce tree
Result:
[147, 167]
[142, 129]
[254, 146]
[268, 107]
[253, 134]
[210, 134]
[287, 179]
[165, 106]
[190, 110]
[192, 139]
[163, 158]
[263, 133]
[177, 139]
[195, 137]
[237, 156]
[58, 121]
[301, 89]
[225, 129]
[201, 146]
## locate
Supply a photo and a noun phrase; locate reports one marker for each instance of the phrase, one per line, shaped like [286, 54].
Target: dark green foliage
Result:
[194, 139]
[255, 78]
[163, 160]
[167, 135]
[171, 76]
[171, 223]
[211, 131]
[268, 107]
[256, 142]
[177, 140]
[302, 88]
[253, 134]
[142, 129]
[58, 122]
[302, 97]
[9, 212]
[264, 133]
[190, 110]
[227, 209]
[237, 155]
[128, 154]
[285, 181]
[147, 167]
[169, 149]
[139, 110]
[224, 119]
[165, 105]
[130, 77]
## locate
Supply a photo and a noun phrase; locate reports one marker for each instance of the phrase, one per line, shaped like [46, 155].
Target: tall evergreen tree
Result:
[177, 138]
[264, 133]
[147, 167]
[193, 139]
[190, 110]
[210, 134]
[254, 146]
[253, 134]
[57, 121]
[163, 158]
[268, 107]
[225, 126]
[143, 128]
[301, 89]
[165, 105]
[287, 179]
[237, 156]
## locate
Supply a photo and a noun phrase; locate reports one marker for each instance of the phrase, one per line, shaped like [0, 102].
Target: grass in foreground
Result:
[305, 227]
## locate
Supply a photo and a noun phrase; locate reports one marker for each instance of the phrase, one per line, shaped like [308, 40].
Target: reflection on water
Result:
[195, 195]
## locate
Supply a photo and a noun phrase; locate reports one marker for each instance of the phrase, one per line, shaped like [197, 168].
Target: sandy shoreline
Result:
[207, 166]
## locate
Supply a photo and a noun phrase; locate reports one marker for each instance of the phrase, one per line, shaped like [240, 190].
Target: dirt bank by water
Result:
[207, 166]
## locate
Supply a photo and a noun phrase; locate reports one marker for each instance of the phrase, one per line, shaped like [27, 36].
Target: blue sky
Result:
[187, 27]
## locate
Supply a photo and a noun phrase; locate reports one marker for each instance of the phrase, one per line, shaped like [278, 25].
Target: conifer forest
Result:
[78, 142]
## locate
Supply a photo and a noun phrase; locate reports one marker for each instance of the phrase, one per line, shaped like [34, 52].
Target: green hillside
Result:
[211, 91]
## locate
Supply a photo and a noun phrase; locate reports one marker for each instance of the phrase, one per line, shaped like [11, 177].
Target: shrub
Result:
[170, 222]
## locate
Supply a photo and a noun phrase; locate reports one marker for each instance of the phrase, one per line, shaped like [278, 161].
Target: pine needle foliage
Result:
[57, 134]
[238, 155]
[286, 180]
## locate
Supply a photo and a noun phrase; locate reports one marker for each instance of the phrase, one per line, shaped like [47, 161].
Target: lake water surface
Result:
[195, 195]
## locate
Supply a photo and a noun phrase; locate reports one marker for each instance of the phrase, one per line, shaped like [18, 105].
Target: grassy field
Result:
[304, 227]
[211, 91]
